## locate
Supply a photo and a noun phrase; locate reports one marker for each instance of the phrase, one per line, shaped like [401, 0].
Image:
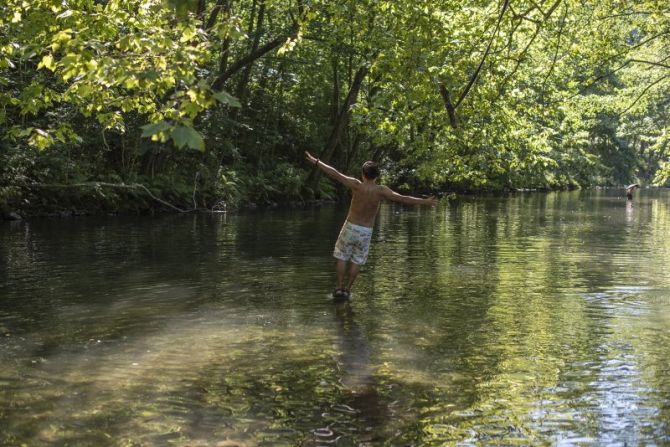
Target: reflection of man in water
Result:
[356, 370]
[354, 240]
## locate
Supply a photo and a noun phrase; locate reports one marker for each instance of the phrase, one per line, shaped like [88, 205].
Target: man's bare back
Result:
[366, 195]
[365, 200]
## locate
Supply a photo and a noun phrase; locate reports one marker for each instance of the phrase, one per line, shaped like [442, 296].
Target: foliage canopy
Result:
[210, 101]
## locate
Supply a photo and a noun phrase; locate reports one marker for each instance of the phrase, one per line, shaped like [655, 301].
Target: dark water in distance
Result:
[533, 319]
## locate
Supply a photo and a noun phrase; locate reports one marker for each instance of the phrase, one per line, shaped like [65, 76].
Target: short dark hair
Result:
[370, 170]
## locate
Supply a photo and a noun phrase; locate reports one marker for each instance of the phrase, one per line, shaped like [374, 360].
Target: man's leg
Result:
[353, 273]
[340, 269]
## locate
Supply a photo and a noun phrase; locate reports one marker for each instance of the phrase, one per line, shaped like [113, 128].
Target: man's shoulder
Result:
[375, 188]
[384, 190]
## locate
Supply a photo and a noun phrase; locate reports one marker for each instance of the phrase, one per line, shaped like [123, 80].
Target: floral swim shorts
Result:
[353, 243]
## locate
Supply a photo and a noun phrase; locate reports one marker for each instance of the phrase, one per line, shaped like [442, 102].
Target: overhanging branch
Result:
[474, 76]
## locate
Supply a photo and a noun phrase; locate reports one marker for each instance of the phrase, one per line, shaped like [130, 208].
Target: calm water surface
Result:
[533, 319]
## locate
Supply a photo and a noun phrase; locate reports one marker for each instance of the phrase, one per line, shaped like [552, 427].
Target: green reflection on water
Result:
[531, 319]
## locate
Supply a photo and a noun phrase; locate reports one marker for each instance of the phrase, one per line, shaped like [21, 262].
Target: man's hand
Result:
[310, 158]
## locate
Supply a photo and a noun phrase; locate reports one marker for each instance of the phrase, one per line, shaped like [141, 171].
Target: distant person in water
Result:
[630, 189]
[354, 240]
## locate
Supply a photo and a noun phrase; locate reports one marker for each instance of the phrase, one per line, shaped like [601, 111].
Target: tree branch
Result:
[646, 89]
[558, 46]
[251, 57]
[624, 14]
[215, 13]
[474, 76]
[622, 66]
[656, 64]
[551, 10]
[634, 47]
[522, 55]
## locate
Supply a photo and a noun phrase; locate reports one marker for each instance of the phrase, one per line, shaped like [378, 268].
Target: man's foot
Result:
[341, 293]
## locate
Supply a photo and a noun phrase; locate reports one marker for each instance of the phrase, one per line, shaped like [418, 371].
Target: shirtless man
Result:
[354, 240]
[630, 189]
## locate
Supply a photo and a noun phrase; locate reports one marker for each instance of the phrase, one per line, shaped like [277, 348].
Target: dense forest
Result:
[137, 105]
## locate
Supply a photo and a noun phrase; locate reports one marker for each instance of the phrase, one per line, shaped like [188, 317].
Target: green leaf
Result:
[47, 62]
[154, 128]
[131, 82]
[5, 62]
[188, 136]
[226, 98]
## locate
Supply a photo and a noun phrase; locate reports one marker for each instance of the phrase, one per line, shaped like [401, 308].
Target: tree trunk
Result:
[242, 85]
[352, 153]
[225, 49]
[451, 110]
[340, 125]
[202, 4]
[336, 91]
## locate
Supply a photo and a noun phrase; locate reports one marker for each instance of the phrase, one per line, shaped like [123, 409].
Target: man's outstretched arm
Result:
[331, 172]
[408, 200]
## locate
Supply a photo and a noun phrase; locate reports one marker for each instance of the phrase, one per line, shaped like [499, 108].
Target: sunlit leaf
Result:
[47, 62]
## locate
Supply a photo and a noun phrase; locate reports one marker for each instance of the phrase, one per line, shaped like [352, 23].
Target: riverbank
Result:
[139, 200]
[134, 207]
[121, 199]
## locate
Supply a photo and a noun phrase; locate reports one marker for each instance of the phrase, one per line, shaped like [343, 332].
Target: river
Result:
[537, 318]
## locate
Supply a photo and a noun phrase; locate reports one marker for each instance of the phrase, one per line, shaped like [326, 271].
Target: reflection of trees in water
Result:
[357, 374]
[516, 319]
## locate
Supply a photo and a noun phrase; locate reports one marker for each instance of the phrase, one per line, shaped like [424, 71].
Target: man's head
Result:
[370, 170]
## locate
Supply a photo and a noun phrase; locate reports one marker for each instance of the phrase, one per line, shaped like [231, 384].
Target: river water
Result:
[530, 319]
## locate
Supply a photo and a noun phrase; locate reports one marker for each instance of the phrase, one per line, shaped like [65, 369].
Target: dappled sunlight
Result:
[150, 385]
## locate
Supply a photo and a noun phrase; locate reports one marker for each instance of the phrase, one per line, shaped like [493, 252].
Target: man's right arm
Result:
[331, 172]
[389, 194]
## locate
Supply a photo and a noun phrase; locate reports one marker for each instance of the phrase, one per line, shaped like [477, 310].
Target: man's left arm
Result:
[389, 194]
